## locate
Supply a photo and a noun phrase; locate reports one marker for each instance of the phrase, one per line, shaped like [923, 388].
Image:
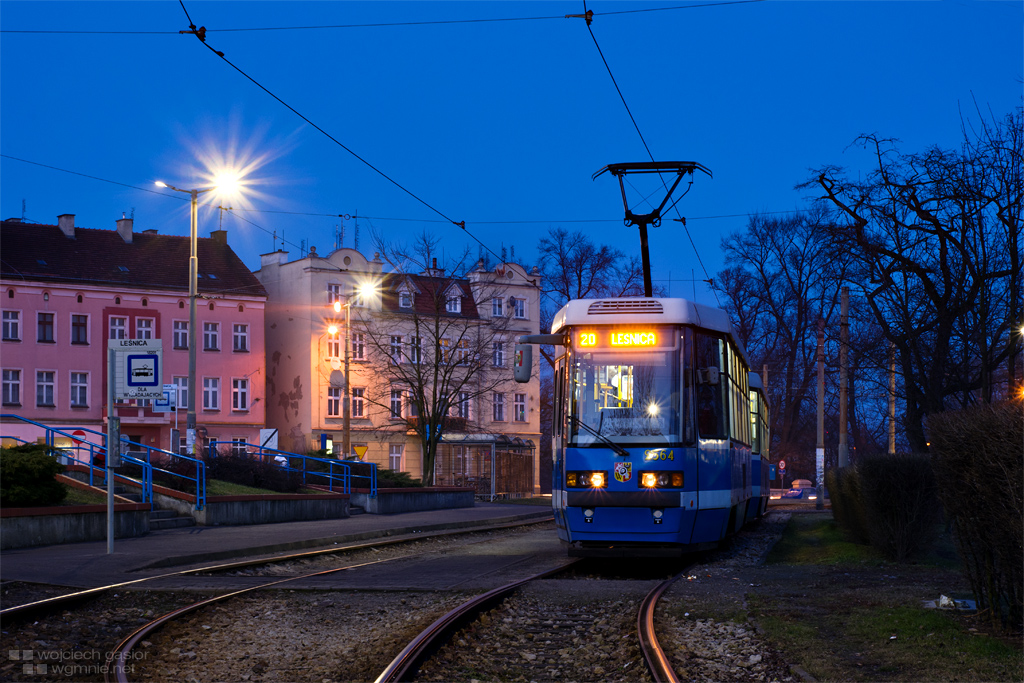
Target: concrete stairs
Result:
[168, 519]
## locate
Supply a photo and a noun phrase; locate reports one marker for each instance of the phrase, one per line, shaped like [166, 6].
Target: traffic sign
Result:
[168, 403]
[360, 451]
[782, 464]
[78, 436]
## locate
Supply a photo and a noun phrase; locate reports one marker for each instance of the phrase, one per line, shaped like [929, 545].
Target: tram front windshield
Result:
[626, 396]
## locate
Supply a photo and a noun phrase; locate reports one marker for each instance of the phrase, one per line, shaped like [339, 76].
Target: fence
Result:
[495, 466]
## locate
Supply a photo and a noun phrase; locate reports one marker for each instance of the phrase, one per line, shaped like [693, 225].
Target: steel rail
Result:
[405, 665]
[657, 660]
[60, 601]
[119, 655]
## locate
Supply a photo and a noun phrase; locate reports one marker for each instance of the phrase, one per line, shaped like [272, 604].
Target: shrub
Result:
[391, 479]
[900, 503]
[979, 467]
[27, 477]
[246, 470]
[847, 506]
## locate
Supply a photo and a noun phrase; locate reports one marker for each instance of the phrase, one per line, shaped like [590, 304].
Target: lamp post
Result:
[346, 401]
[193, 285]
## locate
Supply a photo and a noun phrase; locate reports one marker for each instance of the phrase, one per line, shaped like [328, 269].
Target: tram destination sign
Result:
[619, 338]
[137, 366]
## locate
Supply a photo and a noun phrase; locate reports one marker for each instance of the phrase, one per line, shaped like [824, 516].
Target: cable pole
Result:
[819, 459]
[844, 343]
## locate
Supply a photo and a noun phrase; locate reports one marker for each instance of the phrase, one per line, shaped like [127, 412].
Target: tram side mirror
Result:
[522, 364]
[708, 375]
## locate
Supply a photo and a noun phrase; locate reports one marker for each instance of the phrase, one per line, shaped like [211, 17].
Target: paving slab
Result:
[87, 565]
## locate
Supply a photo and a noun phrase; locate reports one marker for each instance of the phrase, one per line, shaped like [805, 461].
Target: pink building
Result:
[64, 291]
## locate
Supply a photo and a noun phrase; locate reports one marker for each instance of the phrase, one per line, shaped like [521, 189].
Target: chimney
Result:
[124, 229]
[219, 236]
[66, 222]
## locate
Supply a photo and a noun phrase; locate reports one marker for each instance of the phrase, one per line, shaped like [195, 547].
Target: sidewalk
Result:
[88, 565]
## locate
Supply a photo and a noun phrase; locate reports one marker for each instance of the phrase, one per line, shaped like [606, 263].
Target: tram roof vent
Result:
[608, 307]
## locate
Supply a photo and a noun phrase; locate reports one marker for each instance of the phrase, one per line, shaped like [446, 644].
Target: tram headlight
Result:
[661, 480]
[586, 479]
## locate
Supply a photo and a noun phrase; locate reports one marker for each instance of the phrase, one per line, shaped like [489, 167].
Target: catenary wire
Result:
[381, 24]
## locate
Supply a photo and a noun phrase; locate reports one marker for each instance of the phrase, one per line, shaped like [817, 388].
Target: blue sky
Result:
[497, 123]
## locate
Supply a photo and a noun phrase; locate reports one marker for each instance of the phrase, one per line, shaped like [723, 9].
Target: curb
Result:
[197, 558]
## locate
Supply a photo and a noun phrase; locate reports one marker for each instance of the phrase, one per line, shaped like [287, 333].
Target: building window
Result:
[333, 293]
[143, 328]
[79, 329]
[453, 304]
[45, 328]
[358, 347]
[414, 349]
[211, 393]
[396, 349]
[357, 402]
[240, 338]
[464, 405]
[443, 350]
[462, 352]
[181, 389]
[497, 307]
[334, 345]
[395, 456]
[498, 402]
[519, 408]
[239, 446]
[498, 354]
[396, 403]
[12, 387]
[412, 408]
[405, 299]
[519, 308]
[45, 384]
[334, 402]
[118, 327]
[211, 336]
[12, 325]
[240, 394]
[79, 389]
[180, 336]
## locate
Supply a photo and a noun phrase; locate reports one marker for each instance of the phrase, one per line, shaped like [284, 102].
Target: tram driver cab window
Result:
[709, 352]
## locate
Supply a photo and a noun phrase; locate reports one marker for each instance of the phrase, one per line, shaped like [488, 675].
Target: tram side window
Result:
[739, 391]
[710, 387]
[755, 424]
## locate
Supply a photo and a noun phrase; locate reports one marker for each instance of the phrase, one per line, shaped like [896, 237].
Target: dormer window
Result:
[405, 299]
[454, 304]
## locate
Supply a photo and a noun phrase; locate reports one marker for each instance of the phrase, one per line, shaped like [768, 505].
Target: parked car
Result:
[802, 489]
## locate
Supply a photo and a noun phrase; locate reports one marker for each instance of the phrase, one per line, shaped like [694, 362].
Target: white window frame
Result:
[358, 346]
[334, 344]
[211, 336]
[79, 389]
[462, 352]
[464, 408]
[333, 401]
[12, 386]
[117, 327]
[358, 403]
[181, 388]
[240, 337]
[415, 350]
[396, 451]
[46, 387]
[497, 307]
[395, 405]
[453, 304]
[12, 326]
[239, 445]
[498, 354]
[519, 308]
[144, 328]
[334, 292]
[396, 349]
[405, 299]
[179, 334]
[211, 393]
[519, 408]
[239, 394]
[498, 406]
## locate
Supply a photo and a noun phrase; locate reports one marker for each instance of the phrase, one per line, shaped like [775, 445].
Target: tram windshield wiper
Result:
[619, 450]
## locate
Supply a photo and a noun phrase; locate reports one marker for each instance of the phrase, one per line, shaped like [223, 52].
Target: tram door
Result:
[558, 444]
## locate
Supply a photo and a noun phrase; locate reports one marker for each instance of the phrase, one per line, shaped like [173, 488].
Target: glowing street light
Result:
[224, 182]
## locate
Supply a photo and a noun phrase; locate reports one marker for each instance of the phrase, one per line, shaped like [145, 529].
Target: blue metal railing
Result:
[337, 477]
[90, 452]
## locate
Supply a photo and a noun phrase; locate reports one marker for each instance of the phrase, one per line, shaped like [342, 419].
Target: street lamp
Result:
[193, 284]
[365, 290]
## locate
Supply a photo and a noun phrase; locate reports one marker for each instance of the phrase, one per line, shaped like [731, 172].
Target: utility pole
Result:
[844, 343]
[819, 455]
[892, 398]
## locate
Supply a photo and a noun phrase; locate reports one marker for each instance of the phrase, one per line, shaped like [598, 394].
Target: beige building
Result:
[426, 352]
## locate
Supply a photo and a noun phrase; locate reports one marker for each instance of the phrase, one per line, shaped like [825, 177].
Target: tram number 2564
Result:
[659, 454]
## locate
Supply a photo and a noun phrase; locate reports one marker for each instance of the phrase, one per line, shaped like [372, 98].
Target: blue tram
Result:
[656, 449]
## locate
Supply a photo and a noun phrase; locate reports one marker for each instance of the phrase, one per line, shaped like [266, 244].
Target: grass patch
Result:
[817, 539]
[219, 487]
[843, 612]
[78, 496]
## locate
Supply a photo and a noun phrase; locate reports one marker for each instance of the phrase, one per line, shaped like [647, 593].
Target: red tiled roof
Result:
[431, 292]
[42, 253]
